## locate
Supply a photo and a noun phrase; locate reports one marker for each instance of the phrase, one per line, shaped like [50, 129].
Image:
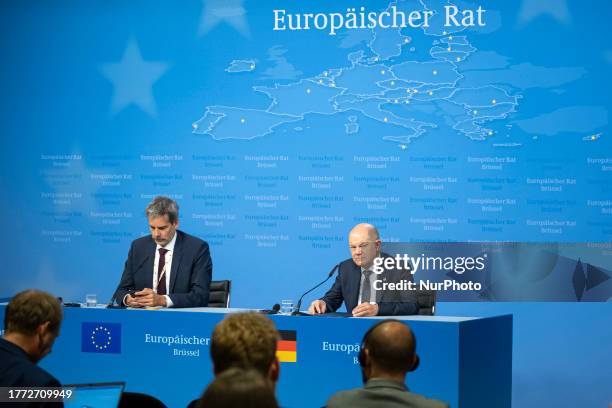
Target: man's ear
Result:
[366, 357]
[366, 366]
[415, 362]
[42, 329]
[274, 371]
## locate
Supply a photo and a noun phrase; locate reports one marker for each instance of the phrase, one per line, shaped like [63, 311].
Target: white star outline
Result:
[555, 9]
[231, 12]
[106, 332]
[133, 78]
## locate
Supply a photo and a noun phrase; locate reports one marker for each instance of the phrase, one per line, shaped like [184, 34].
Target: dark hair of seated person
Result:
[238, 387]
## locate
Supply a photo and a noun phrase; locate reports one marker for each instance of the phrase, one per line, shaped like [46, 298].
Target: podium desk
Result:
[465, 361]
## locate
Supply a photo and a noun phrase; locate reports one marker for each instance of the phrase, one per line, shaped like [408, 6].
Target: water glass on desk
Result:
[286, 307]
[91, 300]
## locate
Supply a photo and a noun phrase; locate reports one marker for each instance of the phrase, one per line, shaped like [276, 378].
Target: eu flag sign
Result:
[101, 337]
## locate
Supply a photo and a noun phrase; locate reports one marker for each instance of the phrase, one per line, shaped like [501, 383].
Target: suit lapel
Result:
[354, 283]
[176, 259]
[150, 263]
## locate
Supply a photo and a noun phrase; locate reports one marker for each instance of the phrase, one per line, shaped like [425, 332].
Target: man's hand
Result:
[365, 310]
[148, 298]
[131, 301]
[317, 307]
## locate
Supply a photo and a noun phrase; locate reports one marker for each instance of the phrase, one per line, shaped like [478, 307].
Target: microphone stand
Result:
[112, 305]
[296, 310]
[120, 305]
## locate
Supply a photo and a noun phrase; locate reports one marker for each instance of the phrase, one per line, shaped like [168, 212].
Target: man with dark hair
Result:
[246, 340]
[387, 354]
[238, 387]
[169, 268]
[356, 286]
[31, 324]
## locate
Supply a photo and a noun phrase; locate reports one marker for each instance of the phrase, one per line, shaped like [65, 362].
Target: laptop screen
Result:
[97, 395]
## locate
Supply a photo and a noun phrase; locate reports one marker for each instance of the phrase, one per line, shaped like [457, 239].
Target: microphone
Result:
[274, 310]
[120, 305]
[296, 311]
[111, 304]
[67, 304]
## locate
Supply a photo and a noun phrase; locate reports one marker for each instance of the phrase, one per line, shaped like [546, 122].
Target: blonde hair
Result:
[244, 340]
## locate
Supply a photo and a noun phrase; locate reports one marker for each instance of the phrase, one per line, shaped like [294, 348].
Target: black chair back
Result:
[220, 293]
[426, 300]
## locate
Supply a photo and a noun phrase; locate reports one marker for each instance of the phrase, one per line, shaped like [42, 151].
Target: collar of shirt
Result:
[170, 245]
[387, 383]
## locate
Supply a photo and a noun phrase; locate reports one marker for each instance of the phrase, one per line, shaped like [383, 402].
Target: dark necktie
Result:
[161, 279]
[366, 290]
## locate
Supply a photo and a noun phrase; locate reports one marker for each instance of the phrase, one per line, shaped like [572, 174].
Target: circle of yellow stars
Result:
[105, 331]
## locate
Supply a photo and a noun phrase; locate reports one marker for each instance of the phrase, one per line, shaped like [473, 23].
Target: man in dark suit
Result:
[387, 354]
[31, 324]
[167, 269]
[356, 283]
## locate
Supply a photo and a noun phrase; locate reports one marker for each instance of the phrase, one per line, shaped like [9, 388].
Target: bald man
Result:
[355, 283]
[387, 354]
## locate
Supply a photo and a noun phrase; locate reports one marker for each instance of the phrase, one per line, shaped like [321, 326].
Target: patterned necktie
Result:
[366, 290]
[161, 279]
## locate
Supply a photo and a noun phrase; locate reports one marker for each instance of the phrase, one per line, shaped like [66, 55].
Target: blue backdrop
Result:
[275, 143]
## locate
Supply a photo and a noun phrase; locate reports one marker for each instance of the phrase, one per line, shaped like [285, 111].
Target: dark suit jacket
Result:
[379, 392]
[190, 274]
[346, 288]
[17, 370]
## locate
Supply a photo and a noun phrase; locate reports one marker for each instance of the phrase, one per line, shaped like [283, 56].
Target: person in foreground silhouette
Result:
[387, 354]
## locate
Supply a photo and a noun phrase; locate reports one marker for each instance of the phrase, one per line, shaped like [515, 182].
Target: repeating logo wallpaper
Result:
[275, 143]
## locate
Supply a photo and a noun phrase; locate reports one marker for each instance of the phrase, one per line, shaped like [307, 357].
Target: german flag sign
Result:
[286, 348]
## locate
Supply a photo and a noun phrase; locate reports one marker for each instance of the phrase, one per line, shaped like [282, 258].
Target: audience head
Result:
[246, 340]
[32, 321]
[388, 350]
[238, 387]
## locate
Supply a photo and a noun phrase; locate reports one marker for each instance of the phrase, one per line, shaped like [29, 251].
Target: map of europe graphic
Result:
[453, 85]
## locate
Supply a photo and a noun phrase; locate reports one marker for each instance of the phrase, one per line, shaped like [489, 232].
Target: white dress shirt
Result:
[167, 267]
